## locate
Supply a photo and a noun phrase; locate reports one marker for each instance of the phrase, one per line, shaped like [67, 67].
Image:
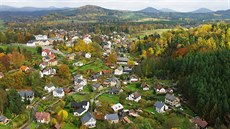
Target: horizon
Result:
[132, 5]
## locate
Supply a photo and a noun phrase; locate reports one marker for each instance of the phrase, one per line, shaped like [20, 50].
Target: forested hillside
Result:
[200, 59]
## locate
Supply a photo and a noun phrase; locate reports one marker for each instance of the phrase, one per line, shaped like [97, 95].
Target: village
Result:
[103, 88]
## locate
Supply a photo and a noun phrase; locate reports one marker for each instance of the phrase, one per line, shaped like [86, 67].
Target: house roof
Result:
[200, 122]
[122, 59]
[86, 117]
[26, 93]
[117, 107]
[80, 110]
[23, 68]
[111, 117]
[170, 97]
[46, 50]
[50, 85]
[114, 90]
[42, 116]
[136, 94]
[2, 118]
[79, 104]
[96, 85]
[158, 87]
[59, 90]
[1, 74]
[159, 104]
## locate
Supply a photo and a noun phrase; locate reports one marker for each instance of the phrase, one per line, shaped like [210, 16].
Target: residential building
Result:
[88, 120]
[4, 120]
[122, 60]
[117, 107]
[59, 92]
[136, 96]
[112, 118]
[118, 71]
[80, 107]
[200, 124]
[42, 117]
[160, 107]
[49, 88]
[25, 94]
[1, 75]
[172, 100]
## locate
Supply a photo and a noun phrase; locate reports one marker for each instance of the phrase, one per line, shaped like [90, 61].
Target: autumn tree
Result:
[62, 116]
[112, 58]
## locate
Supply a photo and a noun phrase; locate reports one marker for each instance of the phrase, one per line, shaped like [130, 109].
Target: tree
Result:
[112, 58]
[15, 104]
[64, 71]
[62, 115]
[39, 50]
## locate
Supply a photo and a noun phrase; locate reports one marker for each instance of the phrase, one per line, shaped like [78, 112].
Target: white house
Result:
[33, 43]
[117, 107]
[88, 120]
[160, 89]
[80, 107]
[172, 100]
[79, 80]
[118, 71]
[48, 72]
[112, 118]
[88, 55]
[160, 107]
[87, 40]
[75, 38]
[133, 78]
[122, 60]
[41, 37]
[136, 96]
[29, 95]
[49, 88]
[79, 63]
[58, 92]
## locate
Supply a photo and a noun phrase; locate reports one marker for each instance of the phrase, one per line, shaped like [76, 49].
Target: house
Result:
[52, 62]
[41, 37]
[95, 77]
[48, 72]
[80, 107]
[122, 60]
[127, 70]
[58, 92]
[112, 118]
[172, 100]
[88, 120]
[118, 71]
[75, 38]
[144, 86]
[43, 65]
[79, 80]
[42, 117]
[87, 40]
[133, 78]
[113, 82]
[24, 68]
[1, 75]
[117, 107]
[33, 43]
[133, 113]
[88, 55]
[28, 95]
[97, 86]
[169, 90]
[79, 63]
[201, 124]
[4, 120]
[71, 56]
[159, 89]
[160, 107]
[46, 52]
[114, 90]
[49, 88]
[136, 96]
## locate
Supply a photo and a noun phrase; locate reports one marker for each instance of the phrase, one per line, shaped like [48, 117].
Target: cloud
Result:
[180, 5]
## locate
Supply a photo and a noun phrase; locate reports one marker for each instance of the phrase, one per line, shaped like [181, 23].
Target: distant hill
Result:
[149, 10]
[167, 10]
[6, 8]
[202, 10]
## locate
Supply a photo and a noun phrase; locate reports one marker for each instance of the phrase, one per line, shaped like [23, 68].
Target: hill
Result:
[167, 10]
[149, 10]
[202, 10]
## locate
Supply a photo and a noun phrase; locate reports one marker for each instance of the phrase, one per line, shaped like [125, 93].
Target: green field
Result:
[96, 66]
[2, 27]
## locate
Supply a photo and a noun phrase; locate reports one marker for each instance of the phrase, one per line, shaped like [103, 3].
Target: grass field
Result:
[96, 66]
[111, 99]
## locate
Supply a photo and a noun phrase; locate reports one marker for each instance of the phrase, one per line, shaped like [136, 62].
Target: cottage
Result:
[26, 95]
[88, 120]
[159, 89]
[113, 81]
[172, 100]
[144, 86]
[136, 96]
[43, 65]
[24, 68]
[122, 60]
[160, 107]
[49, 88]
[79, 80]
[112, 118]
[47, 52]
[42, 117]
[87, 40]
[52, 62]
[33, 43]
[58, 92]
[79, 64]
[41, 37]
[202, 124]
[133, 78]
[1, 75]
[80, 107]
[117, 107]
[127, 70]
[118, 71]
[48, 72]
[114, 90]
[97, 86]
[88, 55]
[71, 56]
[4, 120]
[95, 77]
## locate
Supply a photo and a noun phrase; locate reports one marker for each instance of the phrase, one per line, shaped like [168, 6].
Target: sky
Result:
[178, 5]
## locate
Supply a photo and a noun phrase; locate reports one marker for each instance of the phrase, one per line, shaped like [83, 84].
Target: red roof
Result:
[158, 87]
[52, 60]
[46, 50]
[200, 122]
[42, 116]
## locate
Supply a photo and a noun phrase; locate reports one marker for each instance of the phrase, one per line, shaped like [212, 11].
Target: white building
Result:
[88, 55]
[117, 107]
[160, 107]
[88, 120]
[118, 71]
[49, 88]
[58, 92]
[41, 37]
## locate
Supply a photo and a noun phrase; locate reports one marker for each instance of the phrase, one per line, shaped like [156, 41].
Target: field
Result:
[2, 27]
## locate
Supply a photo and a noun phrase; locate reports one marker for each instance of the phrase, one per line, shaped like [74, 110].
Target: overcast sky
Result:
[179, 5]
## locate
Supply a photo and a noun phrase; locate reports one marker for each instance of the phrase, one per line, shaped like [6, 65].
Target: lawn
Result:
[68, 126]
[111, 99]
[132, 87]
[31, 49]
[96, 66]
[33, 125]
